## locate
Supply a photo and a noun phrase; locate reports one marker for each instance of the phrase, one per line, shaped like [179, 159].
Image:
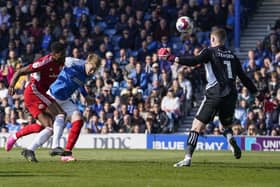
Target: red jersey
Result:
[46, 71]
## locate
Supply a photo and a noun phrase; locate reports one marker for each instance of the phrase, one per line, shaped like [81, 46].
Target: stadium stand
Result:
[133, 82]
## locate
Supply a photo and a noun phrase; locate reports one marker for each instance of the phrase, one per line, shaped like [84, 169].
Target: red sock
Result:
[29, 129]
[74, 134]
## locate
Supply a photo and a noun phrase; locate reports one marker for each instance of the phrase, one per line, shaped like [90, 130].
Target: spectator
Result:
[97, 35]
[28, 56]
[126, 40]
[137, 120]
[240, 112]
[102, 11]
[116, 75]
[139, 77]
[46, 39]
[122, 24]
[273, 83]
[111, 125]
[260, 52]
[35, 30]
[148, 65]
[161, 30]
[112, 18]
[187, 92]
[171, 105]
[252, 130]
[160, 119]
[12, 125]
[122, 60]
[116, 104]
[80, 9]
[3, 124]
[219, 16]
[130, 67]
[139, 39]
[259, 81]
[125, 124]
[204, 24]
[237, 129]
[4, 16]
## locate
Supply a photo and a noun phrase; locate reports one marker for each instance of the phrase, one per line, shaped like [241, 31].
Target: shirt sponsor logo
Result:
[41, 106]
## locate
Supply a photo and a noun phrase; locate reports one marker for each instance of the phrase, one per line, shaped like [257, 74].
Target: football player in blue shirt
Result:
[72, 77]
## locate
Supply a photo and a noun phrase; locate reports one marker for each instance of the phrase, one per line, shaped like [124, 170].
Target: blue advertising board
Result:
[178, 142]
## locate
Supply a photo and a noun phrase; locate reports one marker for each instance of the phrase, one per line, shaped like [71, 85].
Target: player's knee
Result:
[60, 118]
[197, 125]
[45, 119]
[76, 116]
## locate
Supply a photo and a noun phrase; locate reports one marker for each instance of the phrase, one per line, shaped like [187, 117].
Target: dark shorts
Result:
[223, 106]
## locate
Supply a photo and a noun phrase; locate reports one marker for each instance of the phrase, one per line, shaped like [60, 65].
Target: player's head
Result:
[217, 37]
[92, 63]
[58, 51]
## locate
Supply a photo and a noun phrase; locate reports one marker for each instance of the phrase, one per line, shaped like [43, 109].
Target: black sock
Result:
[228, 133]
[191, 143]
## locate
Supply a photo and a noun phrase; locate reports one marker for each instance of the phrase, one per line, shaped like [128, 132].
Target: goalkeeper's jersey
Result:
[222, 67]
[71, 78]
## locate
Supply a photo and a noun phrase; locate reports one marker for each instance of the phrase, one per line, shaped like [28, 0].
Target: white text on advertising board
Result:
[179, 145]
[271, 145]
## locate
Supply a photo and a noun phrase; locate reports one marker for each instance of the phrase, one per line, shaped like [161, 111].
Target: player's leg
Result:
[43, 136]
[77, 124]
[197, 126]
[45, 117]
[204, 115]
[69, 107]
[226, 118]
[44, 108]
[58, 127]
[35, 102]
[29, 129]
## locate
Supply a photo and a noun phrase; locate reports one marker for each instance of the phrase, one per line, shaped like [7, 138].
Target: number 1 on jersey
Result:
[229, 71]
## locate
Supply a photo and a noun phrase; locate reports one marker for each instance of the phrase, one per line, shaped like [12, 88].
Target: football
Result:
[184, 24]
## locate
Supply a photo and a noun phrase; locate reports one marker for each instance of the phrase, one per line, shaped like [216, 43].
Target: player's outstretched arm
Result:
[22, 71]
[203, 57]
[245, 80]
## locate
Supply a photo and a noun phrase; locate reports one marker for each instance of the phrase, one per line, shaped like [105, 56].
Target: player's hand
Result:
[176, 59]
[11, 91]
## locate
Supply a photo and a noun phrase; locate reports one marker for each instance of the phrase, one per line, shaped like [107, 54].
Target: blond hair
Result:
[220, 34]
[94, 59]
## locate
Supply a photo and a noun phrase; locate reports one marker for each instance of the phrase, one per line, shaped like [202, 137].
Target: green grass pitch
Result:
[147, 168]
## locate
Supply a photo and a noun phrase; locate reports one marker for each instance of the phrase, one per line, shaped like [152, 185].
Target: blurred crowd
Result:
[138, 88]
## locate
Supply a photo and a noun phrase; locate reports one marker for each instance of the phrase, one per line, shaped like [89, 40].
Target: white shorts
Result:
[67, 105]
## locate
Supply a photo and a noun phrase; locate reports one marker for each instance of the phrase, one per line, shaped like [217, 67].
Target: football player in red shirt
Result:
[41, 106]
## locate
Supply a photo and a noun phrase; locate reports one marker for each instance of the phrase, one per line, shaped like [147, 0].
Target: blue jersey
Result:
[71, 78]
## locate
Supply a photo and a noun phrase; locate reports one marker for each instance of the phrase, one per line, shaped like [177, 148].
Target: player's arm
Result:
[83, 91]
[244, 79]
[22, 71]
[88, 98]
[203, 57]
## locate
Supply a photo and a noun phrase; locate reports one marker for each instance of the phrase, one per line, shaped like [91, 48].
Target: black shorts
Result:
[223, 106]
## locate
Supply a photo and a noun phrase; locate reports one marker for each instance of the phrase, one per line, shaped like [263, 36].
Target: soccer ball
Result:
[184, 24]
